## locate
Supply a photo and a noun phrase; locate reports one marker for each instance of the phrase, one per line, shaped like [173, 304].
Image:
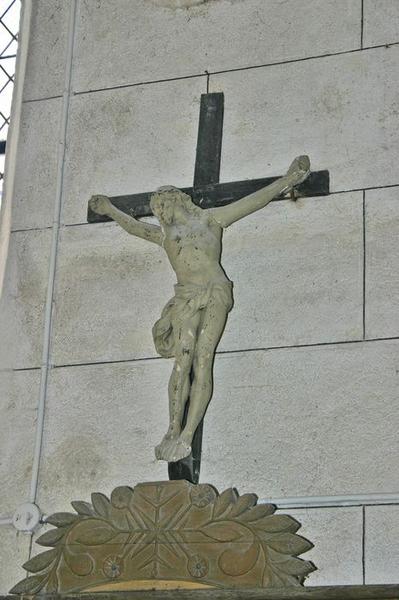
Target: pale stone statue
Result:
[192, 322]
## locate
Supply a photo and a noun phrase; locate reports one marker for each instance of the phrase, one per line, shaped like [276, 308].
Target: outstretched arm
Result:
[103, 206]
[226, 215]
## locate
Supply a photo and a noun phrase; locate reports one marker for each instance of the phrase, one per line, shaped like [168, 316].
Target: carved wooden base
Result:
[168, 535]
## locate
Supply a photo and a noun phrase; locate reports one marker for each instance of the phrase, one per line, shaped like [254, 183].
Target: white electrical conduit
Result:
[53, 257]
[332, 501]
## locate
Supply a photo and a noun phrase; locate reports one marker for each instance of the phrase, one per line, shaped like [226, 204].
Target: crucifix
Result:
[191, 225]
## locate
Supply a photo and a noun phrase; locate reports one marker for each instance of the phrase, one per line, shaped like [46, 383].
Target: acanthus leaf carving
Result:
[168, 530]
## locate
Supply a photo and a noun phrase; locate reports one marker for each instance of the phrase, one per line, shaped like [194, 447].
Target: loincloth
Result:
[189, 298]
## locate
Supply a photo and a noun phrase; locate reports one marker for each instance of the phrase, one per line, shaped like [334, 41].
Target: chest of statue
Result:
[192, 241]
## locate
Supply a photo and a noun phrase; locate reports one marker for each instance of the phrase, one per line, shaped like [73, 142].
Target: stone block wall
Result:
[306, 377]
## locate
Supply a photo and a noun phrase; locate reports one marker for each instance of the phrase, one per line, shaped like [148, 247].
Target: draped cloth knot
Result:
[189, 298]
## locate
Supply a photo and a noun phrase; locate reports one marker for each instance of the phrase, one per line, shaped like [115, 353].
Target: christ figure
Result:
[193, 321]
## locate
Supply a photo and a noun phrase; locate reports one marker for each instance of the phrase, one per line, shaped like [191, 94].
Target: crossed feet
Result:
[173, 448]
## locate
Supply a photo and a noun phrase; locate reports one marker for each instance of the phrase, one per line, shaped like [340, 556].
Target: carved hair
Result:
[176, 197]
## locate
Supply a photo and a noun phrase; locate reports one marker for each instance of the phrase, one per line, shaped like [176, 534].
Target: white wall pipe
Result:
[332, 501]
[53, 256]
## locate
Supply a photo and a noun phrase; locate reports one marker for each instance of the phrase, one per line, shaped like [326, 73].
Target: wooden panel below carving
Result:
[148, 584]
[350, 592]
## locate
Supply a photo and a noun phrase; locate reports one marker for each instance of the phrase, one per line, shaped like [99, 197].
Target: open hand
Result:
[299, 170]
[100, 204]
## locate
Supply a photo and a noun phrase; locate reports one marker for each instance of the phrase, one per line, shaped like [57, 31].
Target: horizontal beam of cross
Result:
[216, 194]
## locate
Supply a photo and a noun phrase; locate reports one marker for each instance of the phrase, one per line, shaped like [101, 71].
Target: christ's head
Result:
[169, 205]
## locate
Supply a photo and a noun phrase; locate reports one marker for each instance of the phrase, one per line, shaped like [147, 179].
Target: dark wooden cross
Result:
[207, 192]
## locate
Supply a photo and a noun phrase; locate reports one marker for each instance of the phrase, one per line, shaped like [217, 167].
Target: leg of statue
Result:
[179, 383]
[213, 320]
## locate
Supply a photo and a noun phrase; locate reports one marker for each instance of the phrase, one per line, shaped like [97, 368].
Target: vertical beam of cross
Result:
[206, 172]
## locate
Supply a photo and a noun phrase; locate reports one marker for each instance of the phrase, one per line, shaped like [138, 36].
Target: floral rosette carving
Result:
[112, 567]
[168, 530]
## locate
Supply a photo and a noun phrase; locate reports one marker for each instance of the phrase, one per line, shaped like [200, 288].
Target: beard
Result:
[176, 209]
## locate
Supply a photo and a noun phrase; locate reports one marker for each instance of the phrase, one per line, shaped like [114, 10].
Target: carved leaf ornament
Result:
[168, 531]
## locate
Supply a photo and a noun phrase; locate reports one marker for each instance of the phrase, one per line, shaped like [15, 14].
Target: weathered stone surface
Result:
[149, 42]
[36, 171]
[381, 22]
[304, 260]
[168, 531]
[109, 130]
[321, 101]
[120, 285]
[178, 3]
[382, 263]
[14, 551]
[23, 299]
[381, 544]
[297, 273]
[47, 49]
[312, 421]
[19, 392]
[115, 415]
[337, 537]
